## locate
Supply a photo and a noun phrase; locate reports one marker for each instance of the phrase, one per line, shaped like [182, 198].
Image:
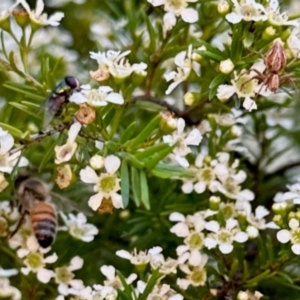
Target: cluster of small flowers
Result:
[6, 290]
[286, 218]
[222, 225]
[9, 157]
[244, 84]
[113, 283]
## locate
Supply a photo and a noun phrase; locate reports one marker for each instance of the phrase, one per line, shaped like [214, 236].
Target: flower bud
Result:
[196, 56]
[5, 22]
[189, 98]
[236, 131]
[214, 202]
[252, 232]
[226, 66]
[242, 296]
[277, 219]
[297, 215]
[97, 162]
[167, 122]
[280, 208]
[223, 7]
[268, 33]
[21, 17]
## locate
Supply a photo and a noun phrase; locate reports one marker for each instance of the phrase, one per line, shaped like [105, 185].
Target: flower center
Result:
[245, 85]
[63, 275]
[77, 231]
[224, 236]
[198, 277]
[295, 236]
[227, 211]
[195, 240]
[206, 174]
[108, 183]
[231, 186]
[248, 12]
[34, 261]
[175, 6]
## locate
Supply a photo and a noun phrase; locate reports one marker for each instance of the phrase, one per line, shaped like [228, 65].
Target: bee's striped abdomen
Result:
[44, 222]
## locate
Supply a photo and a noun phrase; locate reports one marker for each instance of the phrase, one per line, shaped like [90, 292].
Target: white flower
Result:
[114, 281]
[190, 228]
[163, 292]
[169, 21]
[8, 161]
[224, 237]
[5, 14]
[257, 220]
[79, 228]
[96, 97]
[178, 8]
[293, 42]
[35, 261]
[106, 185]
[64, 277]
[245, 86]
[293, 235]
[183, 140]
[10, 213]
[247, 10]
[196, 276]
[65, 152]
[38, 17]
[141, 258]
[276, 18]
[184, 63]
[6, 290]
[226, 66]
[114, 63]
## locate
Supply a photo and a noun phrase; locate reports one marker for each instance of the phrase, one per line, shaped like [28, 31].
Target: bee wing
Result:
[66, 205]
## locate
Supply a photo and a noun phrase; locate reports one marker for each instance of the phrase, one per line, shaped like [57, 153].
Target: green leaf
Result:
[158, 156]
[145, 133]
[211, 55]
[144, 190]
[151, 150]
[132, 159]
[26, 109]
[163, 170]
[125, 183]
[128, 132]
[26, 90]
[135, 186]
[150, 285]
[12, 130]
[152, 34]
[127, 290]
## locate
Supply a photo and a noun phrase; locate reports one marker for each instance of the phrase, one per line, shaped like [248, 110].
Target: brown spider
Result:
[275, 61]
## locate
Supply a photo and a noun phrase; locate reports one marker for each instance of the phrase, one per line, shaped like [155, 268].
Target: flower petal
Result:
[112, 164]
[95, 201]
[88, 175]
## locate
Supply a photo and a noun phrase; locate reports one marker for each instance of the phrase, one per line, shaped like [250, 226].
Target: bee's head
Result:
[72, 82]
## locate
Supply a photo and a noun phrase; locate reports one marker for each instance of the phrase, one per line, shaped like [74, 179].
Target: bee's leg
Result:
[20, 223]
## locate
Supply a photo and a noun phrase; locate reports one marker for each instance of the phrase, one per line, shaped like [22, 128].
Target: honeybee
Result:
[34, 200]
[58, 97]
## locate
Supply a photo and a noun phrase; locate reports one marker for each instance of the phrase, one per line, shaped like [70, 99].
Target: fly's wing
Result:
[51, 107]
[66, 205]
